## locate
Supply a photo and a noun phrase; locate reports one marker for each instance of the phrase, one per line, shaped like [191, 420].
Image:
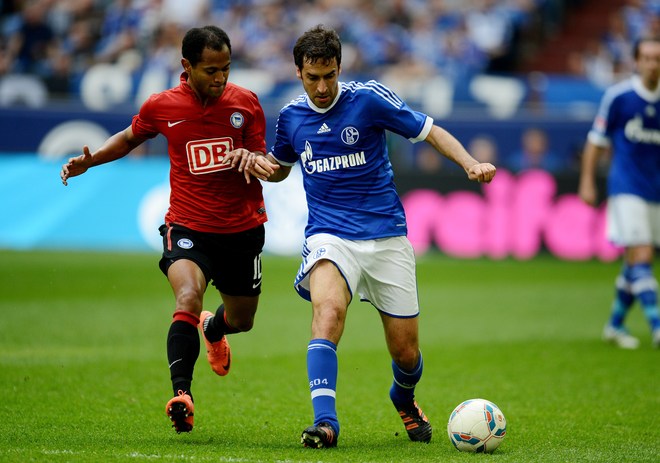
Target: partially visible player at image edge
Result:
[213, 230]
[355, 239]
[628, 126]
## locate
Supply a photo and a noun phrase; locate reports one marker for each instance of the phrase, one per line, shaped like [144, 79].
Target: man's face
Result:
[320, 81]
[209, 77]
[648, 61]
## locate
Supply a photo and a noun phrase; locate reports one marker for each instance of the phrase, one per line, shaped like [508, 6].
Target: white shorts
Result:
[380, 271]
[632, 221]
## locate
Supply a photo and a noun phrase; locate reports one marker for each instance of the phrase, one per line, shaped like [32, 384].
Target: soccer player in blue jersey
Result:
[628, 126]
[355, 239]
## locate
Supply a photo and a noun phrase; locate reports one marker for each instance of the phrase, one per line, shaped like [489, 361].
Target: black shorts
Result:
[232, 261]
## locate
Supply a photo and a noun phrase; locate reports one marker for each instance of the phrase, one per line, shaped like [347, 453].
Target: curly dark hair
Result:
[199, 38]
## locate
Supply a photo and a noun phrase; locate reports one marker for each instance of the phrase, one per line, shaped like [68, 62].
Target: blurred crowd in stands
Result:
[59, 40]
[607, 58]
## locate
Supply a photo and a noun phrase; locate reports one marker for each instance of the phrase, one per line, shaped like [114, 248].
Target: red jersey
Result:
[205, 195]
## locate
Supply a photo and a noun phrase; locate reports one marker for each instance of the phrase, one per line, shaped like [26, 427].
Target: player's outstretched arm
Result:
[447, 145]
[115, 147]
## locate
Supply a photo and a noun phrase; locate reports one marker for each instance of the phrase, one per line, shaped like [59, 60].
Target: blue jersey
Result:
[629, 120]
[347, 174]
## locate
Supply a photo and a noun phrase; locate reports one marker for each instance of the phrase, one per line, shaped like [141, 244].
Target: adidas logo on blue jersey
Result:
[324, 128]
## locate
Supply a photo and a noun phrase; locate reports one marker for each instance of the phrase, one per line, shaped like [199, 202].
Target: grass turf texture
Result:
[85, 378]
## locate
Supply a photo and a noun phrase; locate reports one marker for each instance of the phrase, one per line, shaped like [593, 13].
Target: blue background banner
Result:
[116, 206]
[105, 208]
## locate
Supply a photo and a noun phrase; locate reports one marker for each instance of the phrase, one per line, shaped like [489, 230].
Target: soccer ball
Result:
[476, 425]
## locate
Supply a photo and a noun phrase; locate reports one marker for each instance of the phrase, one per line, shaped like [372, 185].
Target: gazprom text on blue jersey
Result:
[335, 162]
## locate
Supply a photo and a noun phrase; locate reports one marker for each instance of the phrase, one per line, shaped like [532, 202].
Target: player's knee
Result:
[406, 357]
[189, 300]
[239, 315]
[243, 324]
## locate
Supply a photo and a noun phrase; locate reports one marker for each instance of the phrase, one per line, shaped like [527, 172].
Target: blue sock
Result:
[623, 299]
[322, 375]
[645, 288]
[403, 386]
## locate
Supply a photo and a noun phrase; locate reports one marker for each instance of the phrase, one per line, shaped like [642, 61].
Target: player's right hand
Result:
[251, 164]
[588, 193]
[482, 172]
[262, 168]
[77, 165]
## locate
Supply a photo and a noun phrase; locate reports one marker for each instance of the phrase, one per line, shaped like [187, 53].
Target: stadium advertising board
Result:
[120, 205]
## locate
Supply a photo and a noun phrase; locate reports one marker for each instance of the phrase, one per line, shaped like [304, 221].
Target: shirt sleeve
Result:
[392, 113]
[282, 150]
[255, 132]
[598, 135]
[143, 123]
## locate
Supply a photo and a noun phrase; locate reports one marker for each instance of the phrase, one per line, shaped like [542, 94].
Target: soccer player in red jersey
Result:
[213, 230]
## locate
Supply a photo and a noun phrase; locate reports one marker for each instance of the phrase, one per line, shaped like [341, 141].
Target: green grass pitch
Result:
[84, 374]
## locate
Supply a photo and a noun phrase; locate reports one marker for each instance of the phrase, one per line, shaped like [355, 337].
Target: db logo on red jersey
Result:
[205, 156]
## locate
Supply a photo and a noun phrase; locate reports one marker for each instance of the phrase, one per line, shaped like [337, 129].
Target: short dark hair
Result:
[199, 38]
[642, 40]
[317, 44]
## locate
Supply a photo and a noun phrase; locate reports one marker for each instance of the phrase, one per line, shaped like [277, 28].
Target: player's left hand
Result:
[482, 172]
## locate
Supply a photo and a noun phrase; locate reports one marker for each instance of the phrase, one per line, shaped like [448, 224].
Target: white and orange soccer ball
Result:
[476, 425]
